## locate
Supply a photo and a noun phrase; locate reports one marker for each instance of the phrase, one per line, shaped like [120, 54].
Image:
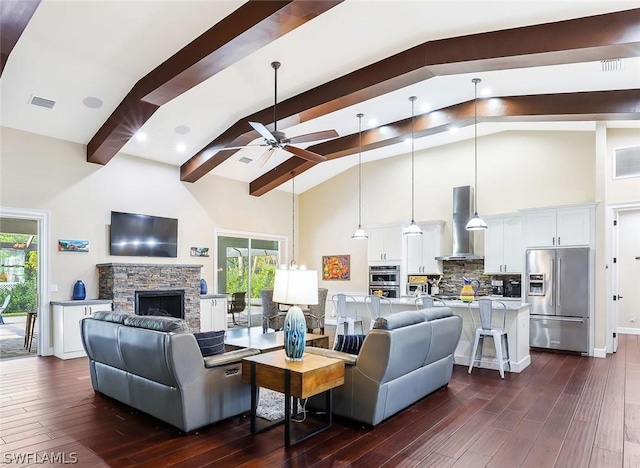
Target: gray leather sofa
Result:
[155, 365]
[405, 357]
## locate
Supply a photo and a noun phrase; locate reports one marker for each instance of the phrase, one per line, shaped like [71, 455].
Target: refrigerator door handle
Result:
[551, 280]
[555, 318]
[559, 299]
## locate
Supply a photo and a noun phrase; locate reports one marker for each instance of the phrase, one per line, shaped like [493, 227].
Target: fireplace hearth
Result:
[168, 303]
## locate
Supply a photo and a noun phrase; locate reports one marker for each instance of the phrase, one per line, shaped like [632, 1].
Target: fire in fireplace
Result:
[169, 303]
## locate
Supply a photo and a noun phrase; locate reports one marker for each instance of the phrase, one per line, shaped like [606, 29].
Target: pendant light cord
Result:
[475, 140]
[360, 170]
[293, 217]
[413, 100]
[275, 66]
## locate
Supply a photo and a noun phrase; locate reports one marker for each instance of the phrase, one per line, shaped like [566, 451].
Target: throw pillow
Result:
[349, 343]
[211, 342]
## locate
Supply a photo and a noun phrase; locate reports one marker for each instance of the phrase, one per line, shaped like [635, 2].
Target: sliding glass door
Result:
[246, 265]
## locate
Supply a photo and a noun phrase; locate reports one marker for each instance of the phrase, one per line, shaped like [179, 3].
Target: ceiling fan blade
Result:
[324, 135]
[222, 148]
[304, 154]
[262, 130]
[262, 160]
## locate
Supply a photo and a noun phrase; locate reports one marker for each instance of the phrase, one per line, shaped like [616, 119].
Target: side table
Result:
[300, 379]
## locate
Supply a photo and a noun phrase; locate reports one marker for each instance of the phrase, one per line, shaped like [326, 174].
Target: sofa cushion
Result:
[434, 313]
[157, 323]
[211, 342]
[399, 320]
[108, 316]
[350, 344]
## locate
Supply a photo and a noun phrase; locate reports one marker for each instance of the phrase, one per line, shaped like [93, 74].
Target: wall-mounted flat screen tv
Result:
[143, 235]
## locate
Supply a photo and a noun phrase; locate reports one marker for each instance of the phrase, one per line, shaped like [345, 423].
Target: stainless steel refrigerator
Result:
[557, 287]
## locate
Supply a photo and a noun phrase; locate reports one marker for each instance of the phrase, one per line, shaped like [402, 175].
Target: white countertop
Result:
[510, 303]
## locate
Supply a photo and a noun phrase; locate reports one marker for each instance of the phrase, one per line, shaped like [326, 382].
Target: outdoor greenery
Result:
[262, 270]
[24, 293]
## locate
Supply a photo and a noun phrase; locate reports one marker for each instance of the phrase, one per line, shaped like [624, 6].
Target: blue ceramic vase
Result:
[295, 334]
[79, 291]
[203, 286]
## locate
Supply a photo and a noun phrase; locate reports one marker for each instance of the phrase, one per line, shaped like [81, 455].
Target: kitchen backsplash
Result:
[454, 271]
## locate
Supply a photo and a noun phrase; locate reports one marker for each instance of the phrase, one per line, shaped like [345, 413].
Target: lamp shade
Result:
[296, 286]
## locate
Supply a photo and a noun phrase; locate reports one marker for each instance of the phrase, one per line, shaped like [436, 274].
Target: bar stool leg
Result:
[497, 340]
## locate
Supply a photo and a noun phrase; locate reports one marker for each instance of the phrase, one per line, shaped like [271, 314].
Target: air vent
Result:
[42, 102]
[626, 162]
[245, 160]
[611, 65]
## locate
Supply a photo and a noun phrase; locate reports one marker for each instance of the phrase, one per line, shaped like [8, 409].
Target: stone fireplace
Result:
[119, 282]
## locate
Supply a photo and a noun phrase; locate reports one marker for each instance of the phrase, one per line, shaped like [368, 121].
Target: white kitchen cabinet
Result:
[67, 342]
[503, 245]
[561, 227]
[423, 250]
[213, 312]
[385, 244]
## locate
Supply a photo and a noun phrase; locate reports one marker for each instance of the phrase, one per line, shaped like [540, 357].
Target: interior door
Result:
[628, 271]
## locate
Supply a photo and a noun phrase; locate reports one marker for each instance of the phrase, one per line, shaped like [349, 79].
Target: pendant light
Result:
[412, 229]
[476, 223]
[360, 233]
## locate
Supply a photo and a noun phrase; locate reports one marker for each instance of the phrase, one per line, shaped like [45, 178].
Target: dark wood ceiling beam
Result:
[14, 17]
[585, 106]
[249, 28]
[613, 35]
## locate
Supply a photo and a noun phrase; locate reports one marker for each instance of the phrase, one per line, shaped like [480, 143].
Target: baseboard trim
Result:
[516, 367]
[629, 331]
[600, 353]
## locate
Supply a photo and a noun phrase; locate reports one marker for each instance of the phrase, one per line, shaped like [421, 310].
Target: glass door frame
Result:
[282, 249]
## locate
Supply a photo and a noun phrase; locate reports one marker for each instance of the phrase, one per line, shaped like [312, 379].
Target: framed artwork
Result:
[336, 267]
[199, 251]
[71, 245]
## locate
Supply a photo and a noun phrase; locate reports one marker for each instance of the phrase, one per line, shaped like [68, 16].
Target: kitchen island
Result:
[517, 328]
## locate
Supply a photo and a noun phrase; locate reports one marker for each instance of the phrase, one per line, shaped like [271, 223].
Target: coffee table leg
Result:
[287, 408]
[254, 398]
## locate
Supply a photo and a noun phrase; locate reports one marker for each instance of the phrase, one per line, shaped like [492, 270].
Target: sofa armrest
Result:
[349, 359]
[229, 357]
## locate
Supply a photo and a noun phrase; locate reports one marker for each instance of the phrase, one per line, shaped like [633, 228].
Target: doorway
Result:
[245, 266]
[23, 276]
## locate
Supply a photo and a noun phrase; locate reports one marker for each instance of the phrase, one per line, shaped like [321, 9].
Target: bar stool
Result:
[377, 307]
[486, 310]
[29, 329]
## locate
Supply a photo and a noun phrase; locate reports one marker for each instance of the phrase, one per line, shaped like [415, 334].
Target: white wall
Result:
[47, 174]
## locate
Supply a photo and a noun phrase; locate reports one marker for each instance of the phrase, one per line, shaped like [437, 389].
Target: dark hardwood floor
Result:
[562, 411]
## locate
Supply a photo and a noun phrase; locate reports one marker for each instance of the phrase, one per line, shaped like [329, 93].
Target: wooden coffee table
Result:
[298, 379]
[266, 342]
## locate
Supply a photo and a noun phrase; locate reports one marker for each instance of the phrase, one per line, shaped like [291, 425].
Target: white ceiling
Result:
[71, 50]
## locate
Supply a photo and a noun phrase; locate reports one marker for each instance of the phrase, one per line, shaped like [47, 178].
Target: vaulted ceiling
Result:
[194, 74]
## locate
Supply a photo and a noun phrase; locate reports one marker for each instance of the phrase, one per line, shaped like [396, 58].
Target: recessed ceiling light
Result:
[373, 122]
[141, 136]
[407, 140]
[426, 107]
[92, 102]
[182, 130]
[181, 147]
[486, 92]
[454, 129]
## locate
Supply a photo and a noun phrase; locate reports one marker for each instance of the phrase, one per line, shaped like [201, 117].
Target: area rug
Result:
[270, 405]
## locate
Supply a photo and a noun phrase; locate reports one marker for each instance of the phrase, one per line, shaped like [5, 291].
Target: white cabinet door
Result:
[213, 314]
[503, 245]
[71, 339]
[385, 244]
[540, 229]
[513, 257]
[563, 227]
[573, 226]
[415, 255]
[494, 245]
[423, 250]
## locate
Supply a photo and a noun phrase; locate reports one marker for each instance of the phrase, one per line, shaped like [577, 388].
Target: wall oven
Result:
[391, 292]
[385, 278]
[384, 275]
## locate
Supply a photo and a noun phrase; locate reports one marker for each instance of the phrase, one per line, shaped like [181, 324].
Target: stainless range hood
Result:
[462, 239]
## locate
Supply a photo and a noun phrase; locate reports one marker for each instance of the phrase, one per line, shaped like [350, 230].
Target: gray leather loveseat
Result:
[155, 365]
[405, 357]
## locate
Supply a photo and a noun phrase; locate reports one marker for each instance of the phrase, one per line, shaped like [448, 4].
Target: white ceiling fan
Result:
[278, 140]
